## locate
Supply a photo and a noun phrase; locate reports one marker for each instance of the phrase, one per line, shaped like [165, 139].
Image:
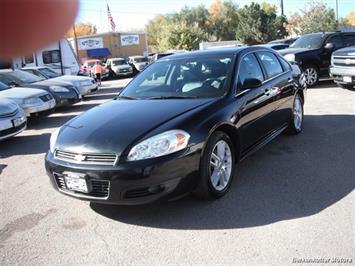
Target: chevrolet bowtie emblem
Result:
[80, 157]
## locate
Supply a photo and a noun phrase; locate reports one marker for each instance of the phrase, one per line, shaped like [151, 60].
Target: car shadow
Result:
[24, 145]
[292, 177]
[2, 167]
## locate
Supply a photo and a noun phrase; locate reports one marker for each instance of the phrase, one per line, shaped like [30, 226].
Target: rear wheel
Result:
[311, 74]
[217, 167]
[296, 120]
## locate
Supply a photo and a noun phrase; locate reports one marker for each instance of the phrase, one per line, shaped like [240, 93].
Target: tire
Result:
[211, 184]
[295, 125]
[311, 73]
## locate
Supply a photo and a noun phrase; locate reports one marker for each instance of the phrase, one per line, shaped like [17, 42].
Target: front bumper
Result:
[8, 128]
[129, 183]
[37, 108]
[66, 98]
[343, 75]
[87, 89]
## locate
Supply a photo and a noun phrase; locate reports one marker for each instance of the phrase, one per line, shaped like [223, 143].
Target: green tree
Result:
[260, 24]
[81, 29]
[223, 20]
[315, 17]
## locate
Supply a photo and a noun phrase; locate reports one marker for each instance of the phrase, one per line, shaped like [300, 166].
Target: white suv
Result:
[118, 67]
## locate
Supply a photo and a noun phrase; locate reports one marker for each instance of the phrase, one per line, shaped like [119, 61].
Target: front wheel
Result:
[296, 120]
[311, 74]
[216, 167]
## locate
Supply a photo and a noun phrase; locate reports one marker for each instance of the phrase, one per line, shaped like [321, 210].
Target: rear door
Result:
[279, 84]
[326, 54]
[255, 104]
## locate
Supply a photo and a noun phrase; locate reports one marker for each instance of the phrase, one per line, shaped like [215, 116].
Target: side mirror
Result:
[251, 83]
[329, 46]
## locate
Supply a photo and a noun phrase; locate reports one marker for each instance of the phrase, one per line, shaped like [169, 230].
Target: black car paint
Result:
[319, 57]
[251, 118]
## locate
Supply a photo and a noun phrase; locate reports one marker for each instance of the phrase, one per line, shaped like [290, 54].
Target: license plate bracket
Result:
[347, 79]
[76, 182]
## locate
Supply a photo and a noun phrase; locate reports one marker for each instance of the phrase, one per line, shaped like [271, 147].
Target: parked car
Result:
[313, 52]
[138, 62]
[12, 119]
[288, 41]
[158, 56]
[88, 65]
[119, 67]
[85, 85]
[342, 67]
[32, 101]
[64, 93]
[198, 120]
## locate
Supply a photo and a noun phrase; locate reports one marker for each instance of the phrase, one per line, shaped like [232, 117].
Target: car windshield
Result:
[181, 78]
[91, 64]
[49, 73]
[21, 77]
[312, 41]
[119, 62]
[3, 86]
[140, 59]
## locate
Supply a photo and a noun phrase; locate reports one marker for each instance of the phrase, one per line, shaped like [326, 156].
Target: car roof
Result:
[216, 52]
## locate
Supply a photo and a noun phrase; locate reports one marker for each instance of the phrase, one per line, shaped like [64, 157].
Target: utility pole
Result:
[75, 41]
[336, 6]
[282, 7]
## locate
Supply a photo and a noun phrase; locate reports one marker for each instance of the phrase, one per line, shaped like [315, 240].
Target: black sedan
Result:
[179, 126]
[64, 93]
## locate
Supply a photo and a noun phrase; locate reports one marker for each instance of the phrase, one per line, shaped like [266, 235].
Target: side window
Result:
[286, 66]
[249, 68]
[349, 40]
[270, 63]
[337, 41]
[50, 57]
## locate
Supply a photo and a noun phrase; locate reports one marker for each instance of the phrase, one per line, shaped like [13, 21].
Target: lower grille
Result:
[11, 130]
[99, 188]
[90, 158]
[143, 192]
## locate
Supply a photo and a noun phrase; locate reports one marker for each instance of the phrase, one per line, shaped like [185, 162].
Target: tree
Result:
[81, 29]
[349, 20]
[260, 24]
[223, 20]
[315, 17]
[154, 31]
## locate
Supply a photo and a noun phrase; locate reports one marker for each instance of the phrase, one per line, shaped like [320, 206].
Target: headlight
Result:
[32, 101]
[53, 140]
[160, 145]
[290, 57]
[58, 89]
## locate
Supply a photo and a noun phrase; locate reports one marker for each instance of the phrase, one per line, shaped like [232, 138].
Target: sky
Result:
[134, 14]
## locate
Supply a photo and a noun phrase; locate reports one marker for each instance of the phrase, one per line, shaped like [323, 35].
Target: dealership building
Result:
[111, 44]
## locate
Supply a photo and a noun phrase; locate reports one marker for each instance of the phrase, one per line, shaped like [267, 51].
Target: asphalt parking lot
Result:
[292, 200]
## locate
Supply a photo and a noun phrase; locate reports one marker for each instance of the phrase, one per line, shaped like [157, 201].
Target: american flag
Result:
[110, 18]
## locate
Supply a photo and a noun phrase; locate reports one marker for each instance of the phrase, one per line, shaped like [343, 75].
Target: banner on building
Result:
[127, 40]
[90, 43]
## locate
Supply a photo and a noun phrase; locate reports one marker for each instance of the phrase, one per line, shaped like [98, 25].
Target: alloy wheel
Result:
[221, 165]
[297, 113]
[311, 75]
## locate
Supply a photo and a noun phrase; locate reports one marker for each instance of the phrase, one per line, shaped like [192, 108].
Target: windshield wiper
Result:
[125, 97]
[171, 97]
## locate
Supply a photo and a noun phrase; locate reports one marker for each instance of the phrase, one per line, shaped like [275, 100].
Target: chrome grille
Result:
[89, 158]
[345, 61]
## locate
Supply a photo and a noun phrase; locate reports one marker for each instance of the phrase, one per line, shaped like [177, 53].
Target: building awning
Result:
[98, 52]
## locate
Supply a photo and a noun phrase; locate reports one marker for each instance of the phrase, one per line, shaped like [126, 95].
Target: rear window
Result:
[270, 63]
[50, 57]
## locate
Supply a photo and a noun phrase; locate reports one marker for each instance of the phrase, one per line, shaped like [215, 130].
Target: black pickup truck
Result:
[313, 52]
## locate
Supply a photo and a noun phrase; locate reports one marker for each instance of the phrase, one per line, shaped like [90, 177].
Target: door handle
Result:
[267, 92]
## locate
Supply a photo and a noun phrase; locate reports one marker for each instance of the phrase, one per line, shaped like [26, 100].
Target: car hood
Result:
[121, 66]
[345, 51]
[140, 64]
[51, 82]
[111, 127]
[293, 51]
[70, 78]
[7, 107]
[20, 93]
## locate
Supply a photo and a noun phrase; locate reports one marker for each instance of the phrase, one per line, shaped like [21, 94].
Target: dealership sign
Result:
[90, 43]
[127, 40]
